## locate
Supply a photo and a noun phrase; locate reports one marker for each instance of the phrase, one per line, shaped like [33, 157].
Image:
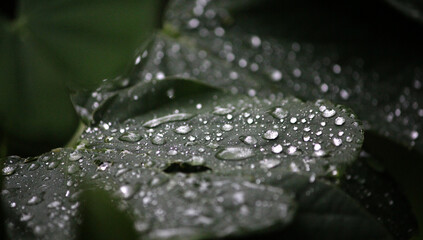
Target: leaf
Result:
[410, 8]
[52, 45]
[368, 182]
[197, 157]
[325, 212]
[97, 211]
[316, 57]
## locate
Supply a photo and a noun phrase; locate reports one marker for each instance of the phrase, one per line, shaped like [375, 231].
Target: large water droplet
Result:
[130, 137]
[235, 153]
[270, 135]
[279, 112]
[183, 129]
[73, 169]
[250, 140]
[34, 200]
[75, 156]
[166, 119]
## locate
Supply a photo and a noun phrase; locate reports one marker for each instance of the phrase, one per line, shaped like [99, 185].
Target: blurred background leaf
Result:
[47, 46]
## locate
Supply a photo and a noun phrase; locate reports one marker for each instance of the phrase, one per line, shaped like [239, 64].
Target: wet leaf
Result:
[51, 45]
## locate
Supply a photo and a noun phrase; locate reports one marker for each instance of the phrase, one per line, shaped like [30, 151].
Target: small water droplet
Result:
[276, 75]
[169, 118]
[250, 140]
[227, 127]
[292, 150]
[75, 156]
[158, 139]
[293, 120]
[269, 163]
[130, 137]
[337, 141]
[197, 160]
[126, 191]
[414, 135]
[73, 169]
[222, 111]
[279, 113]
[52, 165]
[277, 148]
[34, 200]
[339, 121]
[183, 129]
[327, 113]
[255, 41]
[270, 135]
[234, 153]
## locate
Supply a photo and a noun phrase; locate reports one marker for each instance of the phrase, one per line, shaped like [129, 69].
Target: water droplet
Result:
[33, 166]
[227, 127]
[172, 152]
[292, 150]
[34, 200]
[250, 140]
[277, 148]
[183, 129]
[337, 141]
[8, 170]
[414, 135]
[279, 113]
[234, 153]
[169, 118]
[320, 153]
[270, 135]
[327, 113]
[126, 191]
[306, 138]
[339, 121]
[52, 165]
[222, 111]
[250, 120]
[130, 137]
[269, 163]
[104, 165]
[293, 120]
[158, 139]
[197, 160]
[75, 156]
[276, 75]
[73, 169]
[255, 41]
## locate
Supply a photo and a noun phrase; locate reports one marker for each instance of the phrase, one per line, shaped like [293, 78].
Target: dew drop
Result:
[75, 156]
[126, 191]
[337, 142]
[269, 163]
[158, 139]
[339, 121]
[73, 169]
[169, 118]
[270, 135]
[276, 75]
[183, 129]
[227, 127]
[8, 170]
[222, 111]
[292, 150]
[130, 137]
[279, 113]
[234, 153]
[34, 200]
[414, 135]
[250, 140]
[277, 148]
[328, 113]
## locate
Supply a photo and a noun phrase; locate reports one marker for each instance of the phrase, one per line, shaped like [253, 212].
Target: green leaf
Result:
[316, 57]
[325, 212]
[210, 152]
[98, 208]
[51, 45]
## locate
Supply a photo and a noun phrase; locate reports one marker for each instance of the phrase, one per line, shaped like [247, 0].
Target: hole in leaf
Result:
[185, 168]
